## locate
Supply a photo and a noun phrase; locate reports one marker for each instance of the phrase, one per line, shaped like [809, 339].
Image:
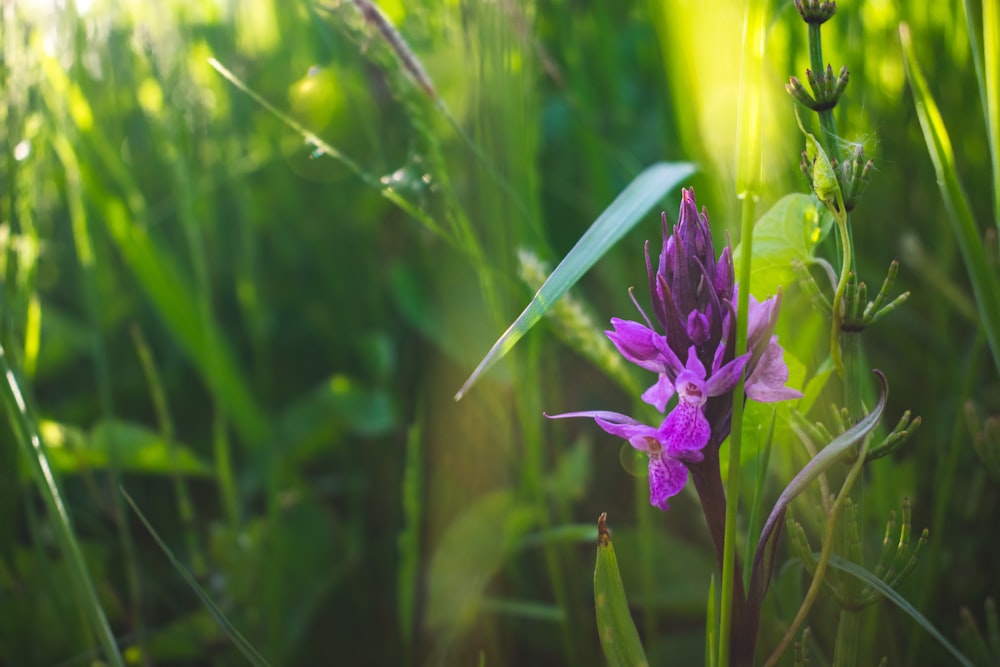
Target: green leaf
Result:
[339, 403]
[983, 280]
[248, 651]
[25, 429]
[788, 231]
[619, 638]
[469, 554]
[990, 85]
[139, 449]
[864, 575]
[617, 219]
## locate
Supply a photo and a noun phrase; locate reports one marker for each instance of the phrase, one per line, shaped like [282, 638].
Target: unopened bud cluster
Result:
[826, 88]
[816, 11]
[853, 173]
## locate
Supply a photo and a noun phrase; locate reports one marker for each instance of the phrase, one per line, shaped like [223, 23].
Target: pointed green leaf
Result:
[625, 211]
[991, 93]
[955, 200]
[619, 638]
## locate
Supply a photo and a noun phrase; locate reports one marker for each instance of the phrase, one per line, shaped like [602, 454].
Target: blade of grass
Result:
[159, 274]
[234, 635]
[617, 219]
[956, 202]
[864, 575]
[991, 92]
[185, 509]
[26, 432]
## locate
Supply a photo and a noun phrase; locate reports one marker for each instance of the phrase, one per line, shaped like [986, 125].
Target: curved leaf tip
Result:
[628, 208]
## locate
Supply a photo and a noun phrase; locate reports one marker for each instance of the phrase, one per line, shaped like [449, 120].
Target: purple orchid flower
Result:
[693, 301]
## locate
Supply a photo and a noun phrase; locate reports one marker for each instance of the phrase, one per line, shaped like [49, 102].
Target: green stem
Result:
[826, 120]
[824, 556]
[838, 296]
[26, 432]
[845, 650]
[853, 373]
[185, 508]
[735, 439]
[224, 470]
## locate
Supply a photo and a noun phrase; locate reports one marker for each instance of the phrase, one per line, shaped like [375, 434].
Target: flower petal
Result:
[697, 327]
[725, 378]
[766, 383]
[667, 477]
[659, 393]
[637, 343]
[694, 364]
[639, 435]
[685, 432]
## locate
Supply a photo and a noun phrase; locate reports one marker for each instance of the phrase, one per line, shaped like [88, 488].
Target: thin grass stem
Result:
[26, 432]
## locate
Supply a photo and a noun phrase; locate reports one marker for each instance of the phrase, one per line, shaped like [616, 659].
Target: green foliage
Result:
[619, 638]
[318, 238]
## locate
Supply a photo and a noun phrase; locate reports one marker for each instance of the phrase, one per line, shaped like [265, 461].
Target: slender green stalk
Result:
[711, 625]
[847, 258]
[224, 470]
[735, 441]
[826, 119]
[977, 54]
[185, 509]
[991, 92]
[824, 556]
[26, 433]
[748, 182]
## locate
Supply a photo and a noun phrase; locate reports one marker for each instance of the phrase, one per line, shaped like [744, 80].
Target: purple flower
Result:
[694, 302]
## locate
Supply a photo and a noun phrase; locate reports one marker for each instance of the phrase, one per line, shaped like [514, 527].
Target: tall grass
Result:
[317, 258]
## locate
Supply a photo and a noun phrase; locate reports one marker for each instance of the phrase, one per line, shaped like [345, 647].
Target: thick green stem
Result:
[826, 120]
[853, 374]
[845, 651]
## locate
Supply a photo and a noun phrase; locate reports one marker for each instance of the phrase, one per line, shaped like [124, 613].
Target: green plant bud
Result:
[816, 12]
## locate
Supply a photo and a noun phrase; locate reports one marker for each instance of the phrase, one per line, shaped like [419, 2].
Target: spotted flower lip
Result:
[693, 296]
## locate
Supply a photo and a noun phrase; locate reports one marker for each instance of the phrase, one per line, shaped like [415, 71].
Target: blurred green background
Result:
[260, 338]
